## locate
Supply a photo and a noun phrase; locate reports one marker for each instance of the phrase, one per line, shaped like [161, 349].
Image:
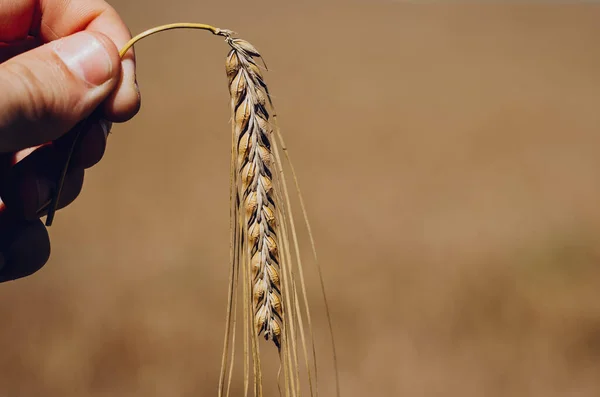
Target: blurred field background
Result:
[450, 161]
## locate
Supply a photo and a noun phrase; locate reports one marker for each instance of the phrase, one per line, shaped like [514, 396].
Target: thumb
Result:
[46, 91]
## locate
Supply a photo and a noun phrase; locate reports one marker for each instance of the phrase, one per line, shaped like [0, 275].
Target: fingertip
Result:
[92, 57]
[113, 52]
[125, 101]
[91, 145]
[86, 145]
[25, 250]
[21, 190]
[71, 189]
[31, 183]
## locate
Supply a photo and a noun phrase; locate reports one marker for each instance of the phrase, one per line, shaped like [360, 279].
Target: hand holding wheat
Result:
[53, 74]
[265, 257]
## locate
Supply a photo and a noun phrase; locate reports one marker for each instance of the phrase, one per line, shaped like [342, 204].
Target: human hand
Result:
[59, 62]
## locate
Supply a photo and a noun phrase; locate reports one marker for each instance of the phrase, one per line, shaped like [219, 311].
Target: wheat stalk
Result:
[265, 255]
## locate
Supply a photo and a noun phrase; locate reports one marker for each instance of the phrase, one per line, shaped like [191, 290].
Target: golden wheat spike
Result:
[252, 135]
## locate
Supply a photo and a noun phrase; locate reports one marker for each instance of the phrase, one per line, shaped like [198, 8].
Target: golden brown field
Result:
[450, 161]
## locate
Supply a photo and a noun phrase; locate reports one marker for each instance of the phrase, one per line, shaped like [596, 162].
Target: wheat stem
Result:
[170, 26]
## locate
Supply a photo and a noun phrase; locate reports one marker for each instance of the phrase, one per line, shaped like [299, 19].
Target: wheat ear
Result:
[254, 165]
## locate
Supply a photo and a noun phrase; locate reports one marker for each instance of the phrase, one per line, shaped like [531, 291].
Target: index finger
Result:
[18, 18]
[52, 19]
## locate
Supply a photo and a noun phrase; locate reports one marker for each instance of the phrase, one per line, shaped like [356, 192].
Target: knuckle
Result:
[45, 87]
[35, 102]
[40, 97]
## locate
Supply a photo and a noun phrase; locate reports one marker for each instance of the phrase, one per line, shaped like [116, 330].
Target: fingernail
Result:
[86, 57]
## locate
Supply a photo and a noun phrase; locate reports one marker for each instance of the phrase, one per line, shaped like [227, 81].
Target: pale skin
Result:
[59, 62]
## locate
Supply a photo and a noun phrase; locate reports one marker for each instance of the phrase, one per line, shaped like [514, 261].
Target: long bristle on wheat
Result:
[252, 133]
